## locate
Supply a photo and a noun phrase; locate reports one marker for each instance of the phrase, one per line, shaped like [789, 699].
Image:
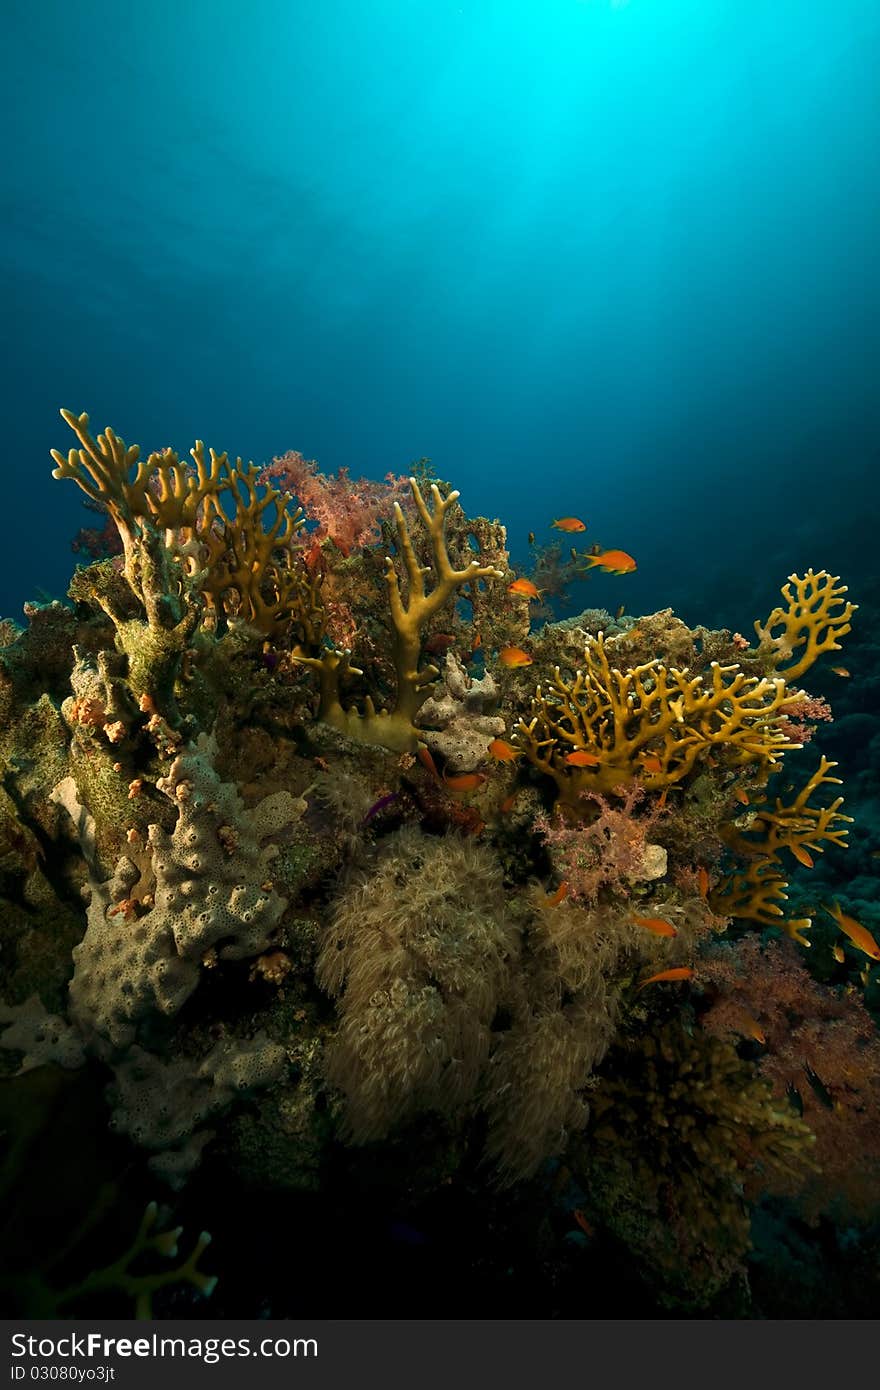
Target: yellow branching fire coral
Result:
[755, 894]
[194, 537]
[814, 617]
[249, 569]
[232, 534]
[798, 827]
[412, 606]
[648, 724]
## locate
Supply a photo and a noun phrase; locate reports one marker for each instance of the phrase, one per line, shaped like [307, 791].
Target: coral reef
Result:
[320, 860]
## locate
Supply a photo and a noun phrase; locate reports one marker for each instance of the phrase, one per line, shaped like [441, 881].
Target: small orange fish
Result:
[679, 972]
[568, 523]
[559, 896]
[840, 670]
[507, 803]
[583, 1223]
[650, 762]
[619, 614]
[465, 781]
[478, 642]
[751, 1027]
[503, 752]
[524, 587]
[612, 561]
[838, 953]
[703, 881]
[657, 925]
[581, 758]
[802, 856]
[512, 657]
[531, 538]
[426, 759]
[741, 796]
[860, 937]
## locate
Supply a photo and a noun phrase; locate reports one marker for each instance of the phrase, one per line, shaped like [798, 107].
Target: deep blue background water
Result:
[617, 259]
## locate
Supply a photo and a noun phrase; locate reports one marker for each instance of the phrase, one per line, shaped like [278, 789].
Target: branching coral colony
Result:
[235, 746]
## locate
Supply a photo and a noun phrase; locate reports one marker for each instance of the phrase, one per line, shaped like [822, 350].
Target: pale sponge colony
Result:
[203, 888]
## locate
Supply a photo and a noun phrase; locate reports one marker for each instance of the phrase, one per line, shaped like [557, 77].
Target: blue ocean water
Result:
[590, 256]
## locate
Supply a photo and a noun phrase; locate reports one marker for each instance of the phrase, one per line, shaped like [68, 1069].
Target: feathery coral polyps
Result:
[814, 617]
[648, 724]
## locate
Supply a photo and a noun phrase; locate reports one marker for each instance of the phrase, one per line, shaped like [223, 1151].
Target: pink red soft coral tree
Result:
[810, 1030]
[608, 853]
[347, 510]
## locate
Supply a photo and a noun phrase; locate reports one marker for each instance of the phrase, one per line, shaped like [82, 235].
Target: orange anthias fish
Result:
[741, 796]
[838, 953]
[679, 972]
[524, 587]
[658, 925]
[612, 561]
[750, 1026]
[508, 802]
[503, 752]
[650, 762]
[860, 937]
[583, 1223]
[425, 757]
[512, 657]
[802, 856]
[581, 758]
[568, 523]
[465, 781]
[703, 881]
[840, 670]
[559, 896]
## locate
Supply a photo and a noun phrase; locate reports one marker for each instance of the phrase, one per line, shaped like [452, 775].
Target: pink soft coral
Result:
[608, 853]
[347, 510]
[809, 1029]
